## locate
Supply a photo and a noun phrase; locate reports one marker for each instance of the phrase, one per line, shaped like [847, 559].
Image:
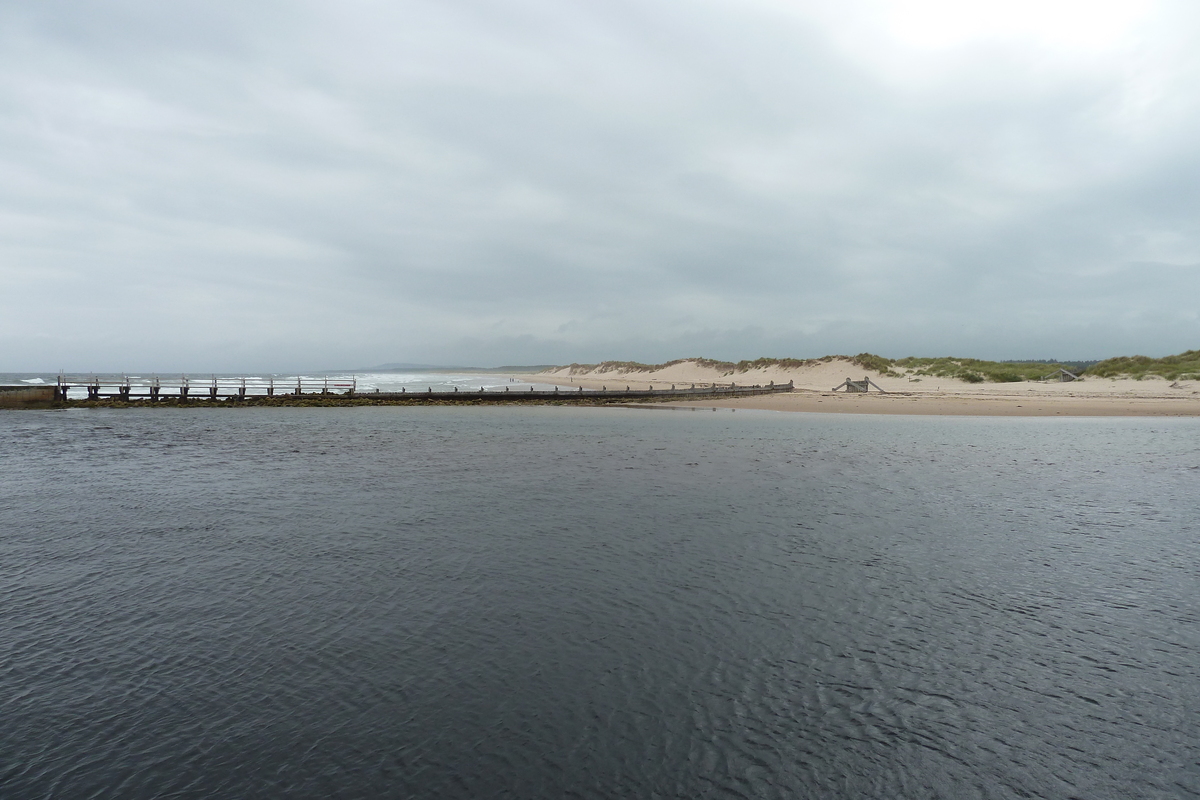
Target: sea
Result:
[550, 602]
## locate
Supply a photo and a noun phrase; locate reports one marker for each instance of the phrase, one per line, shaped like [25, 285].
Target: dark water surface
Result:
[549, 602]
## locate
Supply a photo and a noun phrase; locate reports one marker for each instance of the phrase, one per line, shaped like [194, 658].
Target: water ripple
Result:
[595, 603]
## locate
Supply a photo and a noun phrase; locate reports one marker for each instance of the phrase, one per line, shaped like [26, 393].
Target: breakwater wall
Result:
[26, 396]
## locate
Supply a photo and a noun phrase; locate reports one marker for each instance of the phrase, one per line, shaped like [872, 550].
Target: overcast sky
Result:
[287, 185]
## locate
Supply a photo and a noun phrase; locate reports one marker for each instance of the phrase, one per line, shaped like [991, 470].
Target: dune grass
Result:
[974, 370]
[1183, 366]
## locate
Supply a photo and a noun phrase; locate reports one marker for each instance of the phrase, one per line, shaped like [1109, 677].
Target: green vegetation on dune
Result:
[884, 366]
[1184, 366]
[974, 370]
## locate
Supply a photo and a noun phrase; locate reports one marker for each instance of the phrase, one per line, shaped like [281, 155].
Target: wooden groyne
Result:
[604, 394]
[308, 391]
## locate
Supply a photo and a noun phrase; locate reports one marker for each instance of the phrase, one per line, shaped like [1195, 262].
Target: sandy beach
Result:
[908, 394]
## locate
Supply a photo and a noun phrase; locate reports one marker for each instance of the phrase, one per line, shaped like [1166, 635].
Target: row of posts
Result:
[185, 388]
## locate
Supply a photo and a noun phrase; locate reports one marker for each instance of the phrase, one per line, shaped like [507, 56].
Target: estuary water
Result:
[571, 602]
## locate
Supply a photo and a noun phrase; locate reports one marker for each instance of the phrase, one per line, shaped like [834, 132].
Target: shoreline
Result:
[1093, 398]
[793, 402]
[911, 395]
[904, 394]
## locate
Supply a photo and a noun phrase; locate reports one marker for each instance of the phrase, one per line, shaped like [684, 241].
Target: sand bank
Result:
[910, 393]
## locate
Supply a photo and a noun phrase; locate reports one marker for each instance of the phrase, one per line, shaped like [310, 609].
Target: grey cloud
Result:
[302, 185]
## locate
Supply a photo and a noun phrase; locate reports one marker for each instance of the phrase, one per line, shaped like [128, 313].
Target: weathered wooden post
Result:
[212, 389]
[271, 386]
[242, 389]
[859, 387]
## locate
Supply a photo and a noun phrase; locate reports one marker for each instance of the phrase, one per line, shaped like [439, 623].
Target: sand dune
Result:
[908, 394]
